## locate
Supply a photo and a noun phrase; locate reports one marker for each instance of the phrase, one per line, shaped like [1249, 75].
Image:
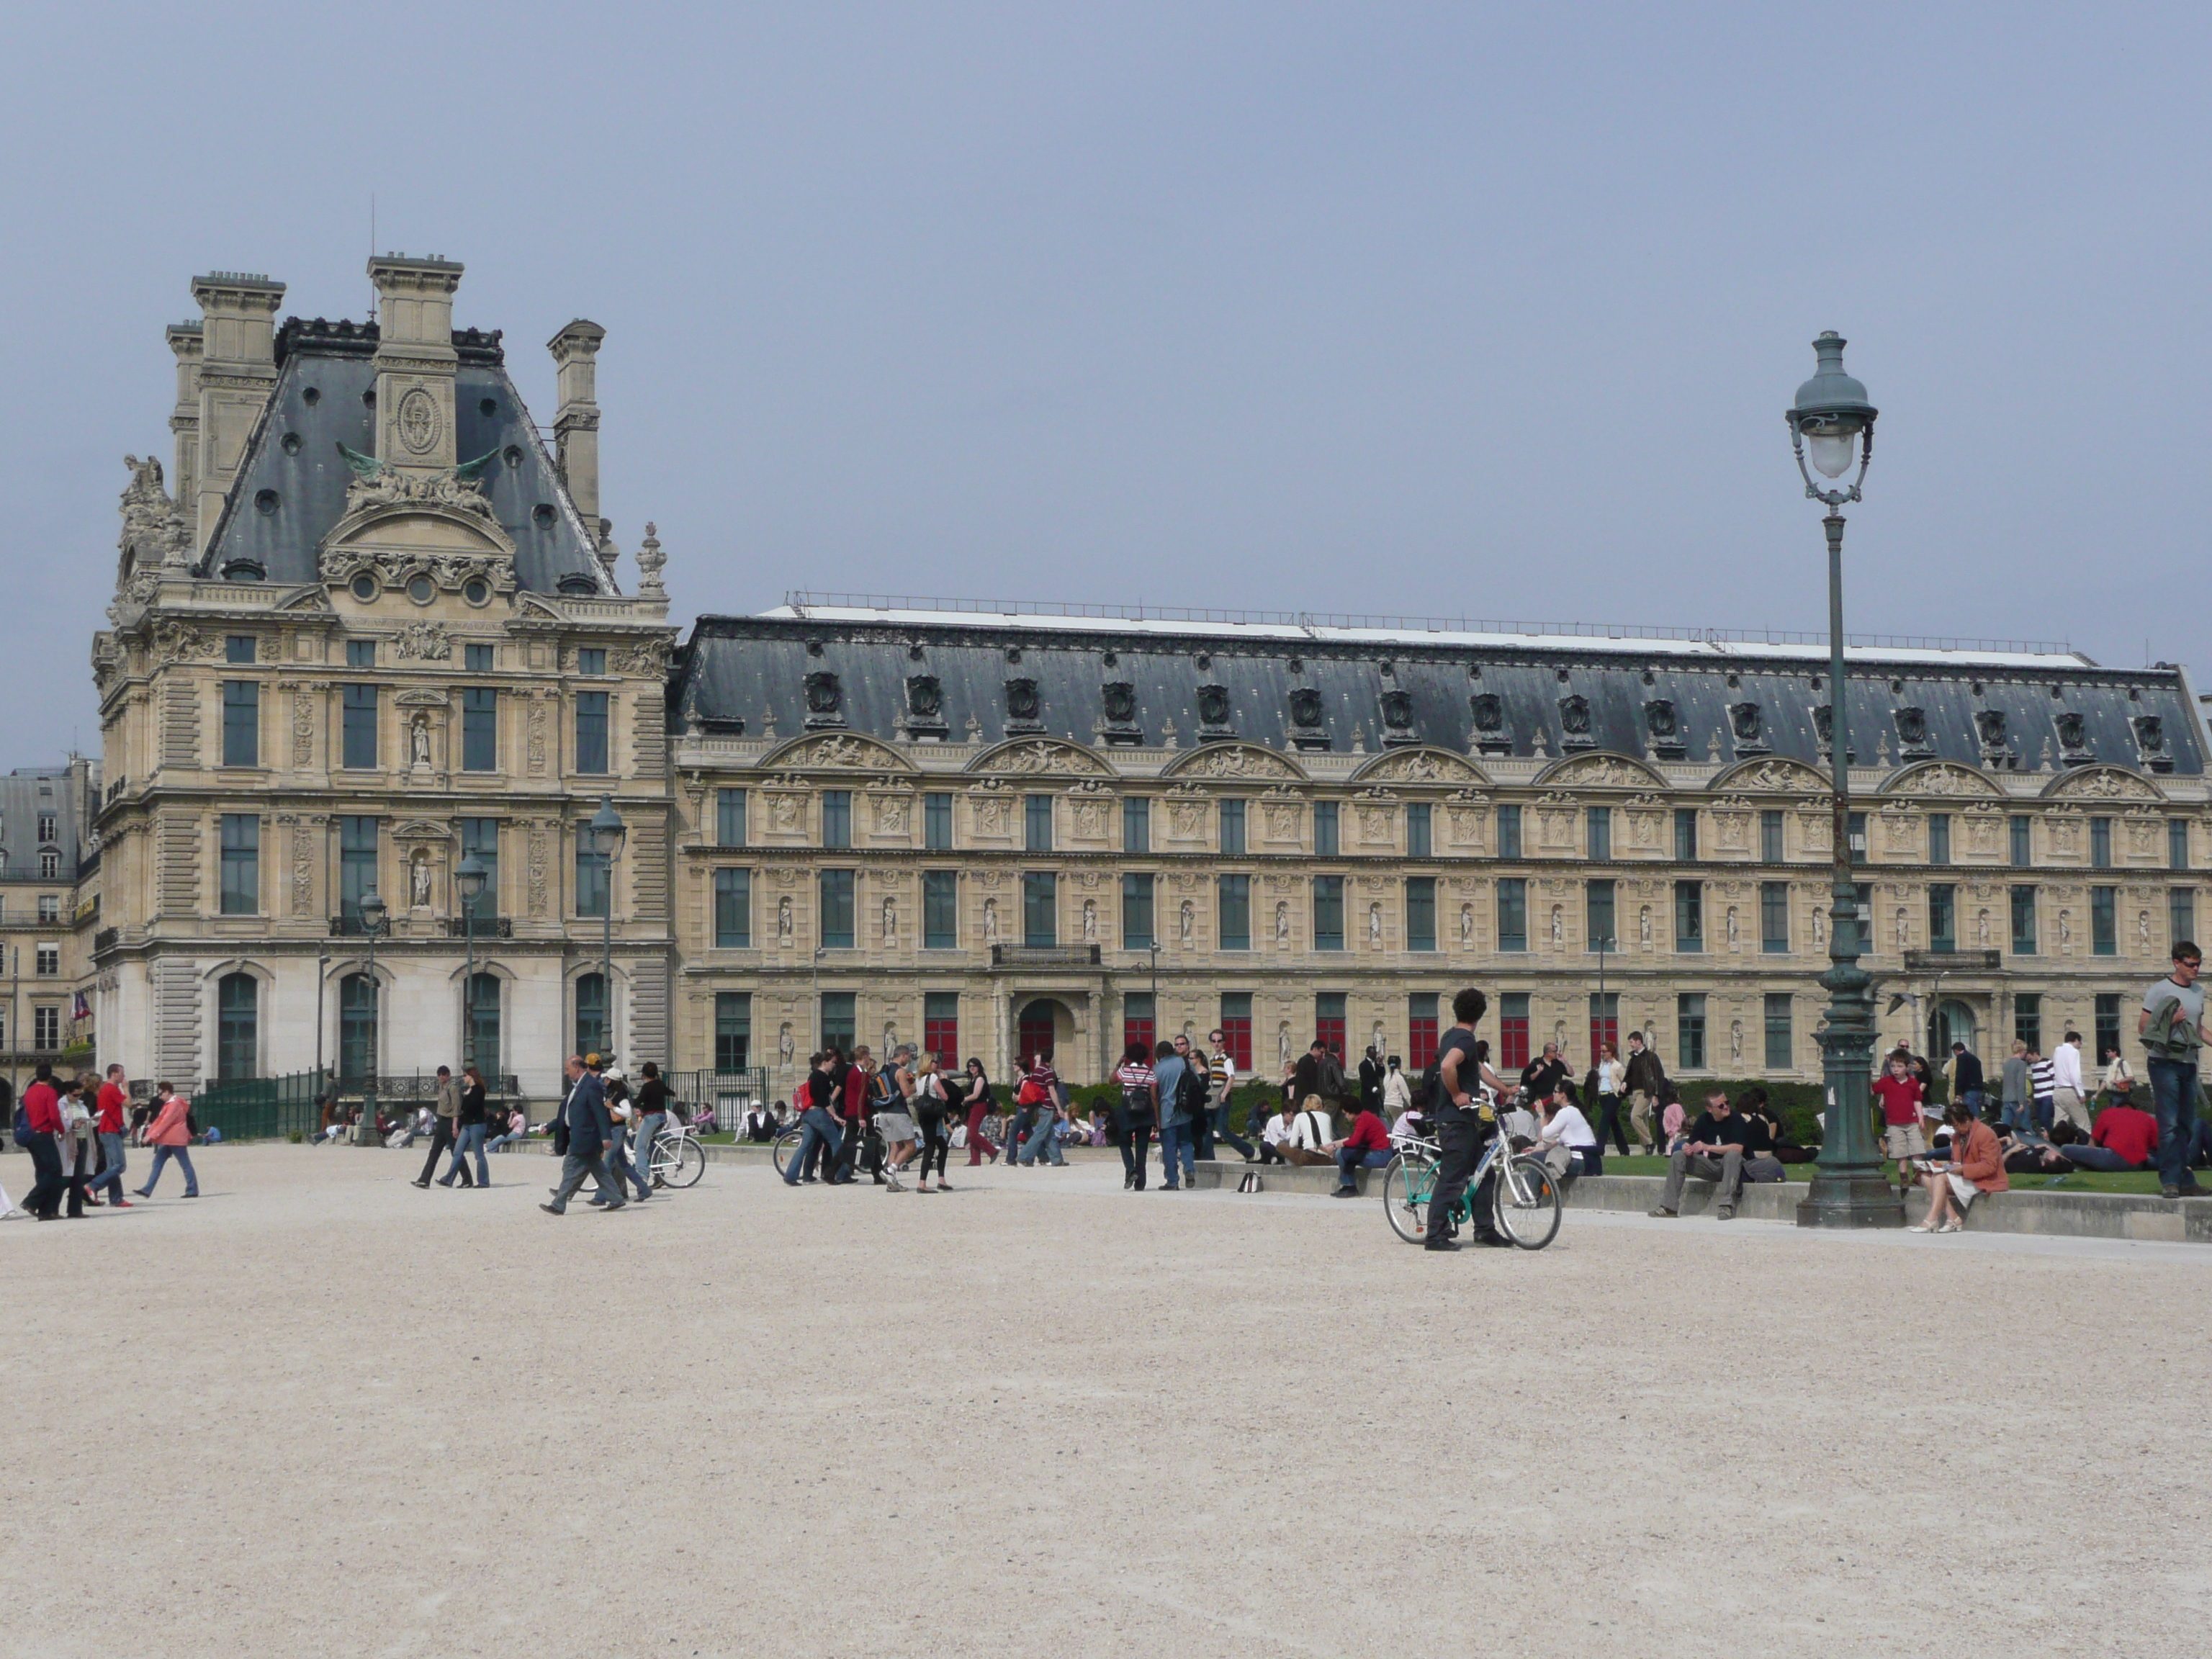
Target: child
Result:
[1670, 1123]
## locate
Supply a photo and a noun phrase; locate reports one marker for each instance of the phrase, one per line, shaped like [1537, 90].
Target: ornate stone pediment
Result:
[422, 830]
[1601, 771]
[1940, 778]
[2102, 783]
[421, 697]
[1232, 760]
[1776, 775]
[1031, 755]
[838, 749]
[1423, 765]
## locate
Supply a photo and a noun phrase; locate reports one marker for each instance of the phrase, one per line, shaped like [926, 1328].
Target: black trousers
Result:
[863, 1149]
[1461, 1135]
[1133, 1136]
[933, 1143]
[79, 1176]
[441, 1141]
[1608, 1122]
[48, 1183]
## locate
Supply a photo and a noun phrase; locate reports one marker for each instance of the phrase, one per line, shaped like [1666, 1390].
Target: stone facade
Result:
[48, 875]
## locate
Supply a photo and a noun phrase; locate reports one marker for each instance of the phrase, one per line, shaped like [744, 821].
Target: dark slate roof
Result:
[290, 494]
[24, 797]
[737, 672]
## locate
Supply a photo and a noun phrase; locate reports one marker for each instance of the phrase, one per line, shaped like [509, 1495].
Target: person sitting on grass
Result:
[1759, 1163]
[1714, 1151]
[1566, 1141]
[2125, 1139]
[1367, 1147]
[1975, 1166]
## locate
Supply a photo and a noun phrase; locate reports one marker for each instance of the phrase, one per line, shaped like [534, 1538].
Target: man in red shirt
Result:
[113, 1109]
[1899, 1092]
[42, 1106]
[1367, 1147]
[2124, 1139]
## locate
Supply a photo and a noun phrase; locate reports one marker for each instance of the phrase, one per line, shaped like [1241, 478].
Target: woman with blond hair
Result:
[930, 1104]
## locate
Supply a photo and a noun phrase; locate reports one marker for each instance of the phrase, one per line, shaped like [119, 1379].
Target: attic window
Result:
[312, 396]
[291, 443]
[542, 516]
[422, 589]
[364, 587]
[244, 570]
[489, 407]
[512, 456]
[476, 591]
[266, 504]
[582, 586]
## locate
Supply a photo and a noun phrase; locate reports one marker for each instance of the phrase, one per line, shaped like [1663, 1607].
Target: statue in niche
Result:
[990, 921]
[1559, 924]
[783, 1045]
[1091, 921]
[1186, 921]
[1644, 926]
[1732, 931]
[1982, 930]
[1282, 923]
[2142, 932]
[1375, 1038]
[783, 921]
[1467, 928]
[1735, 1043]
[419, 879]
[1283, 1043]
[890, 924]
[1820, 929]
[1374, 924]
[2065, 930]
[1904, 930]
[418, 741]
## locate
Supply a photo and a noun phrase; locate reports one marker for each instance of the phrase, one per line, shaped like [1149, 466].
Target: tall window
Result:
[1418, 842]
[2023, 921]
[1685, 833]
[2104, 922]
[50, 904]
[241, 723]
[1512, 913]
[590, 1014]
[734, 1030]
[356, 1025]
[1136, 913]
[1939, 837]
[730, 817]
[2021, 844]
[837, 818]
[2100, 843]
[241, 865]
[940, 1027]
[840, 1020]
[836, 892]
[593, 869]
[1137, 1023]
[356, 864]
[1328, 913]
[936, 822]
[1036, 823]
[479, 729]
[1329, 1020]
[1770, 837]
[1604, 1020]
[1774, 917]
[45, 1026]
[484, 992]
[478, 658]
[1236, 913]
[1690, 1030]
[1508, 832]
[1600, 821]
[357, 739]
[2177, 843]
[591, 731]
[48, 960]
[1854, 830]
[1512, 1031]
[238, 1026]
[2108, 1024]
[2180, 914]
[239, 648]
[481, 837]
[1943, 917]
[1780, 1046]
[1136, 824]
[1689, 915]
[1232, 828]
[734, 910]
[1040, 907]
[1597, 910]
[1420, 1032]
[1237, 1027]
[940, 909]
[2028, 1019]
[1327, 844]
[1420, 913]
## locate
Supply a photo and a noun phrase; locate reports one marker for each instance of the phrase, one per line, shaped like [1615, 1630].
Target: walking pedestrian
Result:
[471, 1128]
[856, 1092]
[590, 1128]
[1180, 1091]
[1644, 1081]
[1221, 1079]
[111, 1108]
[42, 1116]
[980, 1106]
[1465, 1120]
[652, 1116]
[169, 1135]
[2172, 1027]
[2012, 1105]
[893, 1100]
[930, 1105]
[1042, 1143]
[77, 1144]
[2067, 1092]
[819, 1135]
[621, 1114]
[448, 1108]
[1612, 1077]
[1138, 1110]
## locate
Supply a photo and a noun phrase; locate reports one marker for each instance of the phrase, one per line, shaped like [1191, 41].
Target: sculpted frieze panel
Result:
[1234, 761]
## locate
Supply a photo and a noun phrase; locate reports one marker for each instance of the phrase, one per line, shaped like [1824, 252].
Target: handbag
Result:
[1030, 1093]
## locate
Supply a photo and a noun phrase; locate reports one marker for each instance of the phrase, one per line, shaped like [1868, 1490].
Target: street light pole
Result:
[1849, 1188]
[470, 877]
[372, 913]
[607, 836]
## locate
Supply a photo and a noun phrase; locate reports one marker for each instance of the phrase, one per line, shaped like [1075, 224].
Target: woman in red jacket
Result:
[169, 1136]
[1977, 1166]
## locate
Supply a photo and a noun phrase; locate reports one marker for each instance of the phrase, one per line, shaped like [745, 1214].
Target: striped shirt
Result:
[2042, 1077]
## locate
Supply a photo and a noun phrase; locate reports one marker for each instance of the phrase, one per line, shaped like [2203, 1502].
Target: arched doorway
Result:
[1037, 1028]
[238, 1026]
[1951, 1022]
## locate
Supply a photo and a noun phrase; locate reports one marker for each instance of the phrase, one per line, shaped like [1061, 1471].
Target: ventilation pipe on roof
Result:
[576, 351]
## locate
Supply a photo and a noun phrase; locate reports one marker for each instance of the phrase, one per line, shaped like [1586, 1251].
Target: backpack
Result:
[22, 1124]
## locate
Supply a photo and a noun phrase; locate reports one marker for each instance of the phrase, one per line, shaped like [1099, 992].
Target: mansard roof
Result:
[291, 486]
[897, 671]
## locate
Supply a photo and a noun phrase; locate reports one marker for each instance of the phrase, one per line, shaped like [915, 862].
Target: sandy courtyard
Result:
[319, 1411]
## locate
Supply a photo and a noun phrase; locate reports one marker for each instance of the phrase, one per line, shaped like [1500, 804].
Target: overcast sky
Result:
[1379, 308]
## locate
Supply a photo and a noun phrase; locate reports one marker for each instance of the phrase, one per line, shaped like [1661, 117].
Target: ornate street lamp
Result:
[469, 877]
[607, 838]
[372, 922]
[1832, 419]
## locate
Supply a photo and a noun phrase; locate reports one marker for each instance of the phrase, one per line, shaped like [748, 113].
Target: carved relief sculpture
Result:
[1183, 926]
[990, 921]
[783, 921]
[1467, 928]
[1282, 923]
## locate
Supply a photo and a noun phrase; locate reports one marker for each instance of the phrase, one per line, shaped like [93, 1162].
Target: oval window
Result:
[475, 590]
[310, 396]
[266, 504]
[364, 587]
[291, 443]
[541, 515]
[422, 589]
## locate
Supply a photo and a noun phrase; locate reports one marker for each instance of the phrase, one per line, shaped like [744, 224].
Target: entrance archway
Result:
[1953, 1021]
[1039, 1028]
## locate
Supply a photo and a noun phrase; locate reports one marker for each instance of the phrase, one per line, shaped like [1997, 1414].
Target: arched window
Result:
[592, 1014]
[238, 1026]
[483, 1033]
[356, 1025]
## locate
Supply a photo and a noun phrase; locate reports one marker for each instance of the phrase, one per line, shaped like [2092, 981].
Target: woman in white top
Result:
[1566, 1142]
[1310, 1133]
[1612, 1084]
[1397, 1093]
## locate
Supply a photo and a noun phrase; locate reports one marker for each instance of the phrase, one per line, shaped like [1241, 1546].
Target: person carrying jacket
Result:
[589, 1130]
[448, 1108]
[1645, 1080]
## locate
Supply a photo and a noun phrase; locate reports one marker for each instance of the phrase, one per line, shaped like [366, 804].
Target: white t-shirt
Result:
[1310, 1131]
[1570, 1128]
[1278, 1130]
[2066, 1063]
[1609, 1074]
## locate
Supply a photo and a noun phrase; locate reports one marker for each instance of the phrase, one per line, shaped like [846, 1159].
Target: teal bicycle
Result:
[1525, 1196]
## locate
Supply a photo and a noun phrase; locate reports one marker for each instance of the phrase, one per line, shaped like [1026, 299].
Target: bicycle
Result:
[1525, 1198]
[677, 1158]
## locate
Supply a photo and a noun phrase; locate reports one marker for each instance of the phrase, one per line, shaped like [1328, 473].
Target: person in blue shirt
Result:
[1182, 1095]
[590, 1130]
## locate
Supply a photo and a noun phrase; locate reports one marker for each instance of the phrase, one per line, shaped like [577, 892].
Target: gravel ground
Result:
[319, 1411]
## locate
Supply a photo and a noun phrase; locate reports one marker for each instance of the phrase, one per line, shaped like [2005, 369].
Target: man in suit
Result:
[589, 1130]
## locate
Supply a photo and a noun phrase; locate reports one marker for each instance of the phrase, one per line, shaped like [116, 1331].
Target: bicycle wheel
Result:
[1527, 1195]
[786, 1145]
[686, 1163]
[1406, 1185]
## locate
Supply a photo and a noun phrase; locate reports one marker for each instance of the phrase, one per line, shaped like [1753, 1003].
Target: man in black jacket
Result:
[1541, 1075]
[1370, 1081]
[1967, 1084]
[589, 1130]
[1645, 1081]
[1715, 1151]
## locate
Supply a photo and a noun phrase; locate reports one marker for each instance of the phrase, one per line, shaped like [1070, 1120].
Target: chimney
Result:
[184, 420]
[576, 351]
[414, 362]
[237, 373]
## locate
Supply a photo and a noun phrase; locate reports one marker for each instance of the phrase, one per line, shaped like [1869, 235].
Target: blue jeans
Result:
[1347, 1160]
[500, 1143]
[471, 1140]
[111, 1166]
[2173, 1091]
[161, 1156]
[1973, 1099]
[1042, 1141]
[618, 1160]
[1175, 1146]
[818, 1134]
[2096, 1158]
[648, 1131]
[1227, 1137]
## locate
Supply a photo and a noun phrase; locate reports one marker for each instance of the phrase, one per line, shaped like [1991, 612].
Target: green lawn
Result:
[2078, 1183]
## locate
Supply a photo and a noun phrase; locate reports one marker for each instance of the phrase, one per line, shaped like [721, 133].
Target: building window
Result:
[1137, 1019]
[734, 1030]
[1136, 913]
[1420, 1033]
[479, 729]
[1418, 843]
[940, 1027]
[837, 818]
[1685, 833]
[50, 865]
[480, 836]
[1040, 907]
[591, 659]
[1512, 1031]
[1235, 927]
[47, 1026]
[940, 909]
[1508, 832]
[1770, 837]
[50, 907]
[1862, 907]
[241, 864]
[1597, 911]
[1512, 913]
[2100, 843]
[1237, 1027]
[239, 648]
[1328, 913]
[1774, 917]
[356, 1025]
[2108, 1025]
[1943, 918]
[592, 1014]
[591, 731]
[1036, 823]
[1780, 1046]
[937, 823]
[1329, 1022]
[594, 869]
[1232, 828]
[483, 1014]
[360, 653]
[1420, 913]
[837, 894]
[2022, 856]
[729, 817]
[1604, 1021]
[49, 961]
[1939, 837]
[734, 910]
[2023, 921]
[1690, 1030]
[241, 723]
[2028, 1019]
[2104, 922]
[1600, 820]
[1326, 843]
[45, 826]
[478, 658]
[2180, 914]
[238, 1024]
[1854, 829]
[1690, 915]
[2177, 843]
[356, 864]
[1136, 823]
[358, 729]
[841, 1021]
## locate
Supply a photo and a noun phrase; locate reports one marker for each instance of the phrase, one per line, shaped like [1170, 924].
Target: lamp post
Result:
[372, 922]
[469, 877]
[607, 838]
[1605, 942]
[1833, 418]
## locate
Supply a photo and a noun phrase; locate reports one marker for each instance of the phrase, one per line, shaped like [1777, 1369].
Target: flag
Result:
[83, 1008]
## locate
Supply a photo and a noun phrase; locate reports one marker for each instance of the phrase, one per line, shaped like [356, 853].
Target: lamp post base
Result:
[364, 1133]
[1851, 1196]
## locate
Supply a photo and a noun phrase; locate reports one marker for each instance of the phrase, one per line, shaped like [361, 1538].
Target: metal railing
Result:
[722, 1095]
[260, 1108]
[1044, 956]
[408, 1087]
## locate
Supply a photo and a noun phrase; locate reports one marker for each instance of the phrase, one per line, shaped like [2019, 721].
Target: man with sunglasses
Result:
[2171, 1026]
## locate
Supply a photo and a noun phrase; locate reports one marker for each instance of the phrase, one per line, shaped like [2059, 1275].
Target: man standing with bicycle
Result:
[1464, 1123]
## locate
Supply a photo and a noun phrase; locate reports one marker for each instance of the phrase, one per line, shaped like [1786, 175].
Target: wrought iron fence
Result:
[724, 1094]
[423, 1085]
[260, 1108]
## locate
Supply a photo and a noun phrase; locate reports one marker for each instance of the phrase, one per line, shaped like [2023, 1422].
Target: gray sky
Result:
[1383, 308]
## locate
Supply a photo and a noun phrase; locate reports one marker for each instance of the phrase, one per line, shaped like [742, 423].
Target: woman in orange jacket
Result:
[1975, 1166]
[170, 1133]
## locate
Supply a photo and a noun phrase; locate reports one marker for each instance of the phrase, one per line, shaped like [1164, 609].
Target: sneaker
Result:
[893, 1184]
[2163, 1192]
[1442, 1244]
[418, 1183]
[1726, 1212]
[1663, 1214]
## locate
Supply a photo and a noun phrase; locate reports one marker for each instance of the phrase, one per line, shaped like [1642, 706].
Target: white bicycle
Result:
[678, 1159]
